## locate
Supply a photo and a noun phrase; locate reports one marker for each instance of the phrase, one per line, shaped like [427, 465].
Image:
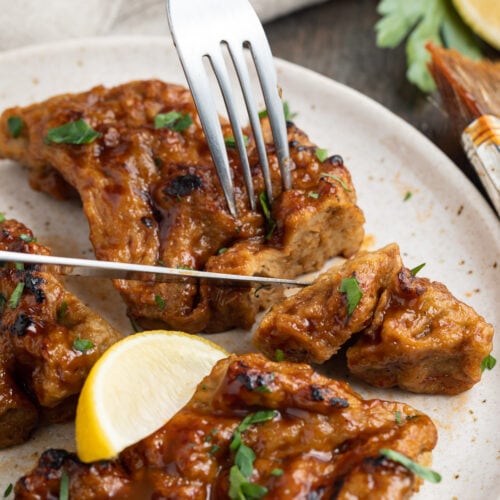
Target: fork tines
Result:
[205, 29]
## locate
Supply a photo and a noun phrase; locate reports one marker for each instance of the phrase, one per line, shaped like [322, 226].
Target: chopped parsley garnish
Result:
[279, 355]
[82, 345]
[488, 363]
[407, 196]
[160, 302]
[19, 266]
[64, 486]
[286, 111]
[135, 326]
[270, 222]
[397, 417]
[8, 490]
[338, 179]
[76, 132]
[27, 238]
[289, 116]
[2, 217]
[321, 154]
[15, 125]
[312, 195]
[16, 295]
[263, 388]
[277, 472]
[214, 449]
[231, 141]
[416, 269]
[240, 487]
[416, 468]
[173, 120]
[221, 250]
[62, 311]
[353, 294]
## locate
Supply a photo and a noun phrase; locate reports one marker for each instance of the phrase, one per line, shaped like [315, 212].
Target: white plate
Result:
[445, 223]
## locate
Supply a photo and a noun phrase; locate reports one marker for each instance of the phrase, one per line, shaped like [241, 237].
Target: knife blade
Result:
[70, 266]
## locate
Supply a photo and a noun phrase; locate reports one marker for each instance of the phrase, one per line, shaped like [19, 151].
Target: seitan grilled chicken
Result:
[405, 331]
[151, 196]
[49, 340]
[257, 426]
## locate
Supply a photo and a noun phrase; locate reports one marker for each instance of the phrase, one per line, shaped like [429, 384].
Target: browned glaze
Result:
[152, 196]
[320, 440]
[40, 370]
[408, 331]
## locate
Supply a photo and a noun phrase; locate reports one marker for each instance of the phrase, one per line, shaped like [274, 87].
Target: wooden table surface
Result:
[337, 39]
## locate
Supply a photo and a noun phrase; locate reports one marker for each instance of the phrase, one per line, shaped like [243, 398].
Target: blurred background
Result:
[336, 38]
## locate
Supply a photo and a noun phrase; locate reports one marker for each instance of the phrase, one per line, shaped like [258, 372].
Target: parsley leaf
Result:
[64, 486]
[15, 126]
[321, 154]
[160, 301]
[418, 23]
[82, 345]
[62, 311]
[289, 116]
[231, 141]
[270, 222]
[488, 363]
[16, 295]
[76, 132]
[8, 490]
[173, 120]
[353, 294]
[27, 238]
[338, 179]
[279, 355]
[416, 269]
[416, 468]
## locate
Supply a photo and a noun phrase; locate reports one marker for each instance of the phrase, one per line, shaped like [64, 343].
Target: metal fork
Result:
[201, 29]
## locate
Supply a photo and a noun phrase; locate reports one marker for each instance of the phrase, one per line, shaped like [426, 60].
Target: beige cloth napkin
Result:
[27, 22]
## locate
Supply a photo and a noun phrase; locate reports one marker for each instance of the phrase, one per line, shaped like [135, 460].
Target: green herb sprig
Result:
[64, 486]
[488, 363]
[15, 126]
[240, 487]
[270, 222]
[338, 179]
[173, 120]
[350, 287]
[416, 468]
[75, 132]
[82, 345]
[16, 295]
[230, 141]
[416, 269]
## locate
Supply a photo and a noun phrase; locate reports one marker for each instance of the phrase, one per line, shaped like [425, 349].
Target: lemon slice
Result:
[483, 17]
[136, 386]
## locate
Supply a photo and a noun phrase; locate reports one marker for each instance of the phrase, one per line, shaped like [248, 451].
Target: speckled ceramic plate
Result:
[443, 222]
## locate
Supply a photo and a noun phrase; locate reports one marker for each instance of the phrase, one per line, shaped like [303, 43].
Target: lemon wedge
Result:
[136, 386]
[483, 17]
